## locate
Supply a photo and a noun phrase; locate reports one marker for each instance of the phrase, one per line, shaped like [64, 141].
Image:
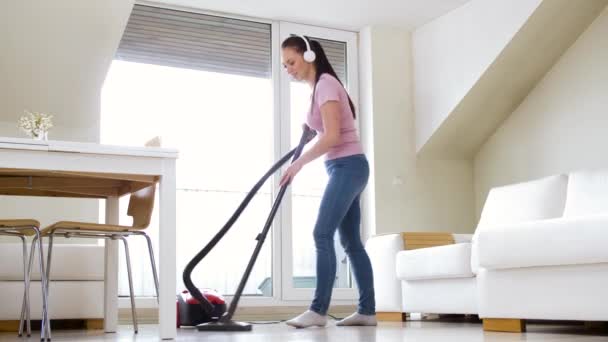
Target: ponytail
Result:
[321, 62]
[324, 67]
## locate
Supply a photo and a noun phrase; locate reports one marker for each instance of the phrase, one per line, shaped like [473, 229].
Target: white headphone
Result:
[309, 55]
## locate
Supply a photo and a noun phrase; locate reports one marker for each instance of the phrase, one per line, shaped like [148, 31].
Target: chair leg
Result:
[25, 307]
[46, 323]
[26, 286]
[48, 282]
[48, 263]
[128, 257]
[152, 263]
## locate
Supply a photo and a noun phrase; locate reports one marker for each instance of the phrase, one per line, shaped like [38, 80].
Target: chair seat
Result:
[86, 226]
[19, 223]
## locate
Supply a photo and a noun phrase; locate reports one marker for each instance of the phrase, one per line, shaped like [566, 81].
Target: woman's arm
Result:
[330, 115]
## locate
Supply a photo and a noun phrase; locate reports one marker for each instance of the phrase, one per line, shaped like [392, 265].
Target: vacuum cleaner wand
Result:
[225, 323]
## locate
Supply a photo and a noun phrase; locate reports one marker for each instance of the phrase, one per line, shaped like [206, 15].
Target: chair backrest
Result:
[141, 204]
[587, 193]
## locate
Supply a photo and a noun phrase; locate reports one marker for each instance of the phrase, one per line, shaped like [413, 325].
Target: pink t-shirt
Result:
[329, 89]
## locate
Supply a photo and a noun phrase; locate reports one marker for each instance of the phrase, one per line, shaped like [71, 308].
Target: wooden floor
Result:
[432, 331]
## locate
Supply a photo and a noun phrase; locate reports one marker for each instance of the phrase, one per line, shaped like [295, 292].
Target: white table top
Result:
[85, 147]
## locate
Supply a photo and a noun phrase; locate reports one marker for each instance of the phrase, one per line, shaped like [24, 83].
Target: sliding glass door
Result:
[213, 87]
[299, 215]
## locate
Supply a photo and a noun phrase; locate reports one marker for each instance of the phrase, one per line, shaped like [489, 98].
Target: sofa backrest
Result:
[533, 200]
[587, 193]
[538, 199]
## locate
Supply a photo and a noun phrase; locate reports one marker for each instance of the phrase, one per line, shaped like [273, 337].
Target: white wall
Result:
[58, 65]
[561, 125]
[366, 129]
[54, 56]
[433, 195]
[58, 132]
[452, 52]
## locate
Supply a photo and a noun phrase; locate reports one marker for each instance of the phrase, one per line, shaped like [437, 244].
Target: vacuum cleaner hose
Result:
[307, 135]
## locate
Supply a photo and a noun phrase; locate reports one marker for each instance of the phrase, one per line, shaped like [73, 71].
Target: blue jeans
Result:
[340, 211]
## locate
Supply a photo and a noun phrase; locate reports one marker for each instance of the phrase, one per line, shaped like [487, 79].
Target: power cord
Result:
[266, 322]
[283, 320]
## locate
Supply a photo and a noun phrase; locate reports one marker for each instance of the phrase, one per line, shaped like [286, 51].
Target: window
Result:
[203, 84]
[211, 87]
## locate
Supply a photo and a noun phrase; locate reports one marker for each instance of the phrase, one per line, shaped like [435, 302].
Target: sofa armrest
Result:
[382, 251]
[463, 238]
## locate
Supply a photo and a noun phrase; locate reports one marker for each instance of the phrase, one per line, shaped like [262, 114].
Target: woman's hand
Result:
[310, 133]
[291, 172]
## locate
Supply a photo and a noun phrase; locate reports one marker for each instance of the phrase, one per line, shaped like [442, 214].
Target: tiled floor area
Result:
[385, 332]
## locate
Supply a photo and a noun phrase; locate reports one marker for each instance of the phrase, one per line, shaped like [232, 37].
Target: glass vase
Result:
[43, 135]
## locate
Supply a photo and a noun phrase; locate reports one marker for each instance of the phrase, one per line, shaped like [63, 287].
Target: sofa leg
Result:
[9, 326]
[596, 325]
[391, 316]
[93, 324]
[505, 325]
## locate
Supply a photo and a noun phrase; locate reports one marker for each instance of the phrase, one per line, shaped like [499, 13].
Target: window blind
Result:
[196, 41]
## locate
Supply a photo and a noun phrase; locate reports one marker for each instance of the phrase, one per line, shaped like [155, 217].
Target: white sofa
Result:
[76, 289]
[547, 231]
[555, 269]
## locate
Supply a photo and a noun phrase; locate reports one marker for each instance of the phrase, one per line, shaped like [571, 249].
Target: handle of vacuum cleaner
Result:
[307, 135]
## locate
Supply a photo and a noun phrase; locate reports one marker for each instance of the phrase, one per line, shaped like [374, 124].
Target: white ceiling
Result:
[343, 14]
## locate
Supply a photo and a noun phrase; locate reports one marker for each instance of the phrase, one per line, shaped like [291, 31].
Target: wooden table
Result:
[87, 170]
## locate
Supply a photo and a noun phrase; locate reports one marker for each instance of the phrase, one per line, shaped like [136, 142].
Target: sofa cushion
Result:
[587, 193]
[449, 261]
[561, 241]
[534, 200]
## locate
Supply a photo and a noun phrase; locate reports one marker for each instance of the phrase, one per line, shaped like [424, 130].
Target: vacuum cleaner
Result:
[224, 322]
[189, 312]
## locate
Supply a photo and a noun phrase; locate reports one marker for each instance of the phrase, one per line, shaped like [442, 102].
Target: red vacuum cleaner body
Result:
[191, 313]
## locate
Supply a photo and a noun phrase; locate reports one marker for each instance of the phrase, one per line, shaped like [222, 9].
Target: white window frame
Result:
[282, 261]
[290, 293]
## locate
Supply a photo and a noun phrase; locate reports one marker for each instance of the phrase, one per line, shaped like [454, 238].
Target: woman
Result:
[332, 115]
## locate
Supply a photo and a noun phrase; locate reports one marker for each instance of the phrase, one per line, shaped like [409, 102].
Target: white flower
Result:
[34, 124]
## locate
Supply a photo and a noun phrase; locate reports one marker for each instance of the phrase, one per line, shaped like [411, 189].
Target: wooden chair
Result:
[22, 228]
[141, 204]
